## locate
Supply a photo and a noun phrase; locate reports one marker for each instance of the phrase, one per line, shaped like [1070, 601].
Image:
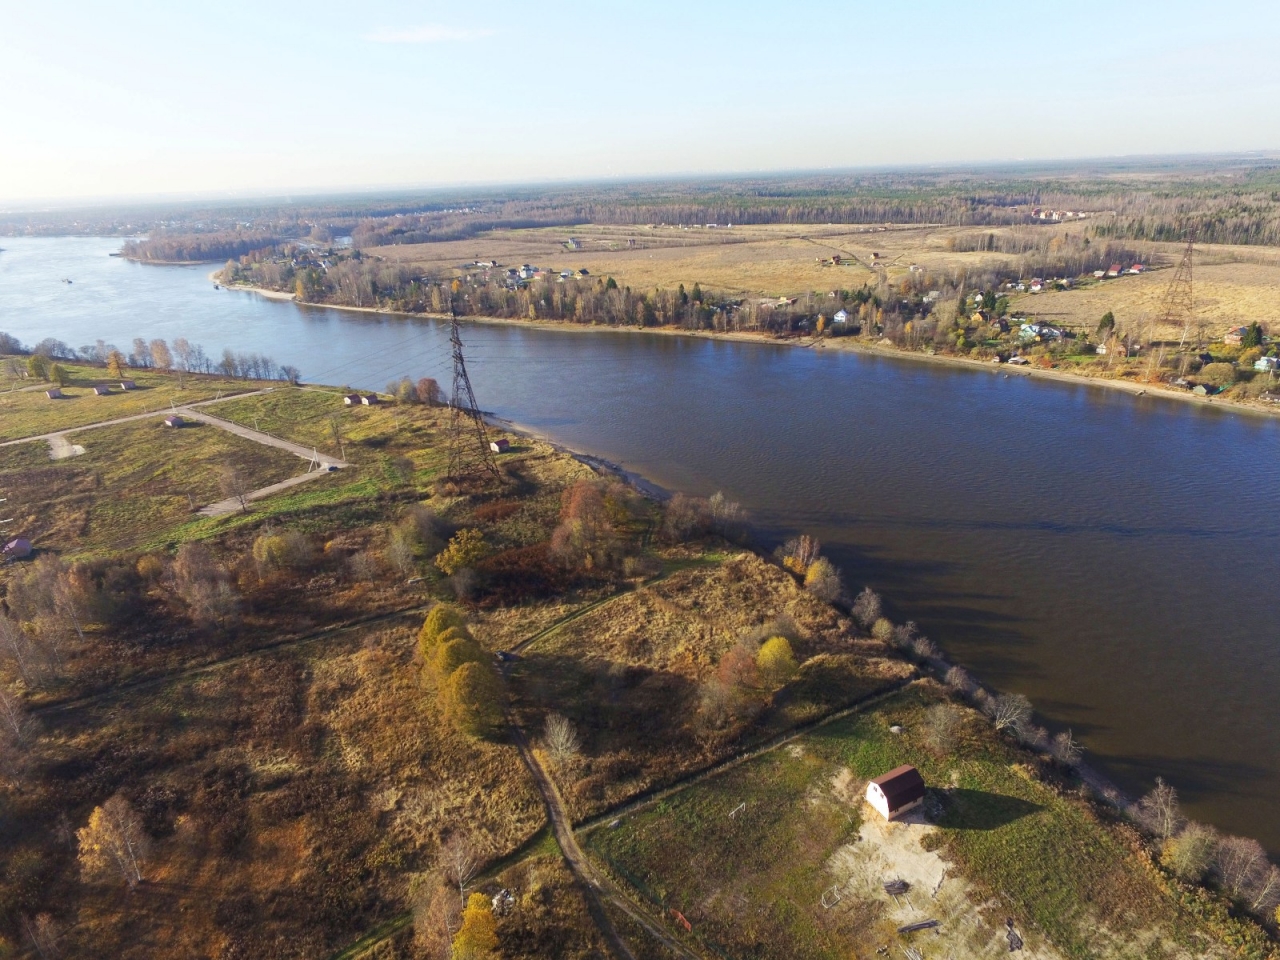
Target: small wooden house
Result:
[369, 400]
[351, 400]
[500, 446]
[173, 420]
[17, 549]
[128, 385]
[101, 390]
[896, 792]
[54, 393]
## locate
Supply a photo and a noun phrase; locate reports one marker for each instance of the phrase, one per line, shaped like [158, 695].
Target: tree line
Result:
[182, 356]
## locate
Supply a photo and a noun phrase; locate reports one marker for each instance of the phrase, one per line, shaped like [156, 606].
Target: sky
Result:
[176, 99]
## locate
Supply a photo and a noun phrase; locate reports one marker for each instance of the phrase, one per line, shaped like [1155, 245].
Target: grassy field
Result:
[1004, 845]
[133, 483]
[26, 413]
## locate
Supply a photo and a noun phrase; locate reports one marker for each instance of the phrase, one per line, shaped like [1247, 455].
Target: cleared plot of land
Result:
[1001, 845]
[26, 413]
[629, 673]
[288, 794]
[134, 481]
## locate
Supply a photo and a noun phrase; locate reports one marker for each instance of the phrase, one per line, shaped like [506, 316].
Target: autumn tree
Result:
[823, 580]
[115, 364]
[465, 550]
[472, 700]
[776, 661]
[204, 585]
[441, 617]
[1189, 855]
[477, 938]
[435, 914]
[429, 392]
[113, 843]
[798, 553]
[452, 652]
[161, 358]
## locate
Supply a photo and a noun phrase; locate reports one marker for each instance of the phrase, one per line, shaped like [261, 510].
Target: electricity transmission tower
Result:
[468, 442]
[1178, 303]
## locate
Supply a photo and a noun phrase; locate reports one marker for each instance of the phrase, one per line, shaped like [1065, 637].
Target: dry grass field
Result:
[1234, 284]
[628, 674]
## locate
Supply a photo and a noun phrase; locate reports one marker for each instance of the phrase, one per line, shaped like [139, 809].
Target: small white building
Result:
[1266, 364]
[896, 792]
[841, 316]
[500, 446]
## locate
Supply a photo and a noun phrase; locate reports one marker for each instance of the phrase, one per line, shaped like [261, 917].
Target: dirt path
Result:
[233, 505]
[596, 887]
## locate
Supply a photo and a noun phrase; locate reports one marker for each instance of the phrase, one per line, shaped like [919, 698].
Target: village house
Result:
[369, 400]
[1267, 364]
[1235, 336]
[1039, 331]
[351, 400]
[896, 792]
[500, 446]
[1115, 270]
[840, 316]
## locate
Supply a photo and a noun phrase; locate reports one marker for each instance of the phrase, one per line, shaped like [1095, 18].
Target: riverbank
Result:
[849, 344]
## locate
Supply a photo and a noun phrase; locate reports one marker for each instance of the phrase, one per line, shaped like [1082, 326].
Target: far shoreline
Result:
[847, 344]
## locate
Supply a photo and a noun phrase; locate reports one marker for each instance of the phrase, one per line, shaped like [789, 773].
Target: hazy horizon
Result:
[156, 101]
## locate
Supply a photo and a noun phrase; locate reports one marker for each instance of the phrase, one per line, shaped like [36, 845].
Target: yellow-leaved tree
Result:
[113, 843]
[472, 699]
[776, 662]
[477, 938]
[466, 549]
[441, 618]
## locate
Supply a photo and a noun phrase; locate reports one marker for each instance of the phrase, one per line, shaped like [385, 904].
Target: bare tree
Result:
[203, 585]
[1158, 811]
[113, 842]
[1010, 711]
[561, 740]
[958, 678]
[234, 486]
[15, 724]
[942, 727]
[1240, 865]
[460, 863]
[866, 608]
[435, 914]
[1066, 749]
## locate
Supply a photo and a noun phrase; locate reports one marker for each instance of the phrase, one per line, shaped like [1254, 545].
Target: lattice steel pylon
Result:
[468, 441]
[1179, 303]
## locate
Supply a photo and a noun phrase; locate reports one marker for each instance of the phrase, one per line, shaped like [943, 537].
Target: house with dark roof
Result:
[896, 792]
[17, 549]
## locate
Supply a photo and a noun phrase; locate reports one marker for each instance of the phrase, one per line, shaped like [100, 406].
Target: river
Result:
[1107, 555]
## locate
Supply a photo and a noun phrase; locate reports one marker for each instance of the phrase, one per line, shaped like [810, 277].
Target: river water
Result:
[1110, 556]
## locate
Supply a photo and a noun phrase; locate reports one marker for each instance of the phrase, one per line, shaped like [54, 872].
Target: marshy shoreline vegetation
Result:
[274, 731]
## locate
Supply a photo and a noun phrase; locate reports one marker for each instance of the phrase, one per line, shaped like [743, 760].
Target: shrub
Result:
[882, 630]
[866, 608]
[776, 661]
[278, 551]
[1218, 374]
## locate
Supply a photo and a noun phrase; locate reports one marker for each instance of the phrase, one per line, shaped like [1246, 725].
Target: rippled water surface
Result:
[1112, 557]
